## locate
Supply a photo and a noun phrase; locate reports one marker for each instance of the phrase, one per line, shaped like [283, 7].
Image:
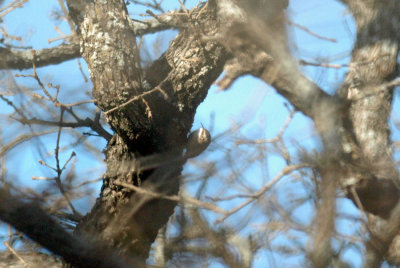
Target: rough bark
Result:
[156, 123]
[374, 64]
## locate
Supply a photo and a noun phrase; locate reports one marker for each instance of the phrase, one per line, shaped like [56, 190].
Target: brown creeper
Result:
[197, 142]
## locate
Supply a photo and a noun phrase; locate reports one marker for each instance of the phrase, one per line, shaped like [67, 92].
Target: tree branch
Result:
[151, 113]
[37, 225]
[15, 59]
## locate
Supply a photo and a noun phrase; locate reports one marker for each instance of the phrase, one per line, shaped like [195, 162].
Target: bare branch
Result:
[183, 199]
[310, 32]
[11, 6]
[44, 230]
[14, 59]
[22, 138]
[285, 171]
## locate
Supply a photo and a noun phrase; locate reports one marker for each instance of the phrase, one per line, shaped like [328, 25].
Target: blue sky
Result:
[249, 100]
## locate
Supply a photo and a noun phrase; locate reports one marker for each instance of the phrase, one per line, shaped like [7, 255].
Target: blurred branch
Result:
[160, 248]
[153, 4]
[159, 22]
[285, 171]
[381, 237]
[321, 252]
[183, 199]
[218, 244]
[21, 138]
[311, 32]
[11, 6]
[277, 138]
[66, 15]
[325, 65]
[10, 248]
[44, 230]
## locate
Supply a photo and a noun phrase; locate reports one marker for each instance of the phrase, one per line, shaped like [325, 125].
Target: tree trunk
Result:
[154, 123]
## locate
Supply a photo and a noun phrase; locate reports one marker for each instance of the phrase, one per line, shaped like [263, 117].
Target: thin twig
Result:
[60, 170]
[66, 14]
[325, 65]
[22, 138]
[277, 138]
[10, 7]
[176, 198]
[157, 88]
[15, 253]
[81, 70]
[5, 34]
[311, 32]
[285, 171]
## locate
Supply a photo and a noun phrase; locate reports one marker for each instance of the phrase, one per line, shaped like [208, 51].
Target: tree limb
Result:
[37, 225]
[15, 59]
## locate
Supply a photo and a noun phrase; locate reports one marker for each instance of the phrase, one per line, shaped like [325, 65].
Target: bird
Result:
[378, 196]
[197, 142]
